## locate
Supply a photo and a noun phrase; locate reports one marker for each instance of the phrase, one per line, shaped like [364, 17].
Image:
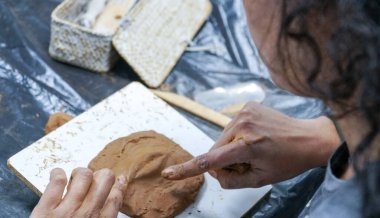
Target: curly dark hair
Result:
[350, 51]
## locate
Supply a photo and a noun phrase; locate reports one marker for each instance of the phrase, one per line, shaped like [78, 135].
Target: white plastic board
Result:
[133, 108]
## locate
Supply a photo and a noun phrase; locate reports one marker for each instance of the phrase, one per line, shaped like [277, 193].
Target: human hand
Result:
[275, 147]
[88, 195]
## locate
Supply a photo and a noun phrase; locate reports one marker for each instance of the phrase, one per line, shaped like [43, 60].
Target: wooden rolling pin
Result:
[194, 108]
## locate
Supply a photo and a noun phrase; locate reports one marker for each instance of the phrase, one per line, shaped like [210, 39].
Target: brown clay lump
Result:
[141, 157]
[56, 120]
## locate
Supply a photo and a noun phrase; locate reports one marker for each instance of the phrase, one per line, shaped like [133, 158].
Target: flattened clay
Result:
[141, 157]
[56, 120]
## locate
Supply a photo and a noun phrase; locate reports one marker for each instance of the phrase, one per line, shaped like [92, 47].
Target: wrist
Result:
[323, 140]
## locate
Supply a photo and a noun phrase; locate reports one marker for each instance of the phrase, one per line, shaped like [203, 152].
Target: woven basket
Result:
[77, 45]
[156, 33]
[151, 38]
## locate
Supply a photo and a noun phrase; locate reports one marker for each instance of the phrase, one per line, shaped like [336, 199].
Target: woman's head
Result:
[318, 48]
[328, 49]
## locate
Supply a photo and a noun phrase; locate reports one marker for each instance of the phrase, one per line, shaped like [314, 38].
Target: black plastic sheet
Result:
[33, 86]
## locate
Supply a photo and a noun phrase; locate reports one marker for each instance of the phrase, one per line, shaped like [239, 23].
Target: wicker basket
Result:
[77, 45]
[156, 34]
[151, 38]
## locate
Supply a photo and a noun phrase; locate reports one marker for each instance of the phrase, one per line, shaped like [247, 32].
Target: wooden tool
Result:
[194, 108]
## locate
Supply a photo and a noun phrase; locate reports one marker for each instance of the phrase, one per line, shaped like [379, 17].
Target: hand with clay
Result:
[88, 195]
[261, 146]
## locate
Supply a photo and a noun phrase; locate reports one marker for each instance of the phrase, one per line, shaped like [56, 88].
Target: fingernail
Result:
[121, 183]
[168, 173]
[52, 174]
[121, 180]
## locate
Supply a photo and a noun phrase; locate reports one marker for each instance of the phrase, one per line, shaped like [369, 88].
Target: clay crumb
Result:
[56, 120]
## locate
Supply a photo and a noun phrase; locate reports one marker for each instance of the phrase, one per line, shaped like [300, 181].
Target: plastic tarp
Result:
[33, 86]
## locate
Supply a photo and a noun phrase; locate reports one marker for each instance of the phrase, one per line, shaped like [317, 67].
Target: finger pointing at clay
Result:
[215, 159]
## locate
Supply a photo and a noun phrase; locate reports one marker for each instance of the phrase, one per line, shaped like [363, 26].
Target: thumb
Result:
[214, 159]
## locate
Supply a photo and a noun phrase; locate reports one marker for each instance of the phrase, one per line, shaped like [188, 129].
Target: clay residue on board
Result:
[141, 157]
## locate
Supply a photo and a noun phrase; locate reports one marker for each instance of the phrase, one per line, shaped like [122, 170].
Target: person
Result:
[328, 49]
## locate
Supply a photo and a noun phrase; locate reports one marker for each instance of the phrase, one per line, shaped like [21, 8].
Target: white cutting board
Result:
[133, 108]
